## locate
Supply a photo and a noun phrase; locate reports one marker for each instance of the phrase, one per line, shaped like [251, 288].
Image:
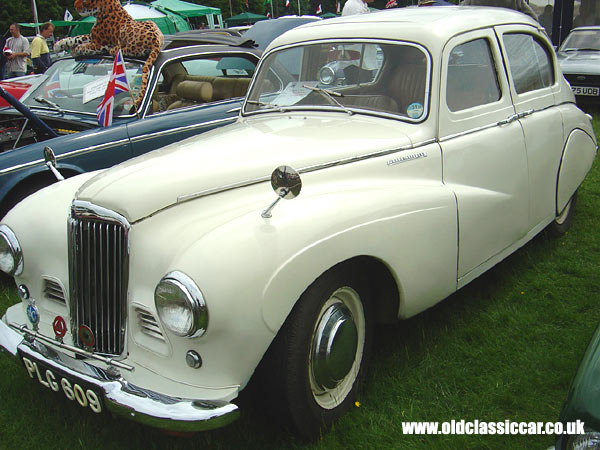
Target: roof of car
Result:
[432, 24]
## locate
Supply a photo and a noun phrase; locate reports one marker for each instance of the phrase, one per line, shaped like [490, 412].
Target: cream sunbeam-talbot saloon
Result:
[409, 151]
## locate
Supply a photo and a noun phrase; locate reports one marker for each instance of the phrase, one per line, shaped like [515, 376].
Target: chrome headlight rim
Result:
[194, 302]
[8, 237]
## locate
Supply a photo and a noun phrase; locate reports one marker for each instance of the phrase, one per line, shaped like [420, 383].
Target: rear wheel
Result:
[321, 351]
[564, 219]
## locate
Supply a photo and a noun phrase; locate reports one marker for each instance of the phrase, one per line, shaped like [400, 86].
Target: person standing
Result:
[2, 56]
[518, 5]
[40, 54]
[352, 7]
[16, 50]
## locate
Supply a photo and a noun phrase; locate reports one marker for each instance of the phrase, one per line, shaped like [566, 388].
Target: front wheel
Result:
[321, 351]
[564, 219]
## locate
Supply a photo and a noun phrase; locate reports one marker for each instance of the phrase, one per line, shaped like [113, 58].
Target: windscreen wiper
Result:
[51, 104]
[268, 105]
[330, 95]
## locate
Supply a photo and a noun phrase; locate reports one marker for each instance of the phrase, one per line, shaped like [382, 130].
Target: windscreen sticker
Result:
[414, 110]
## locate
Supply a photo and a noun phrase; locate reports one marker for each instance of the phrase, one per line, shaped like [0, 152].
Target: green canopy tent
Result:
[56, 23]
[188, 10]
[244, 18]
[328, 15]
[167, 21]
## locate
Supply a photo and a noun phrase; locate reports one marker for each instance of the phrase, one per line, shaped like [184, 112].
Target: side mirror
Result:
[286, 183]
[50, 159]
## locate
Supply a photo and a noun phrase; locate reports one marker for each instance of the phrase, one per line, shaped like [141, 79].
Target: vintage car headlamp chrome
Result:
[181, 305]
[588, 441]
[326, 75]
[11, 255]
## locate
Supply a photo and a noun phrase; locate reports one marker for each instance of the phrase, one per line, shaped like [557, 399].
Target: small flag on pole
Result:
[268, 14]
[337, 7]
[247, 6]
[319, 9]
[287, 3]
[117, 83]
[68, 16]
[391, 4]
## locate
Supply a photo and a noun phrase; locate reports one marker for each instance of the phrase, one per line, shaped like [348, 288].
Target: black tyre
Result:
[564, 219]
[319, 356]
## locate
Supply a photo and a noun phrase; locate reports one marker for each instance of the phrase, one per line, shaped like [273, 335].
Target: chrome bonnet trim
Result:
[307, 169]
[123, 398]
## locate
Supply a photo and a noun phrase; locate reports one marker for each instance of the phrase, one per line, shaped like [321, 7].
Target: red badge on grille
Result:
[87, 337]
[60, 327]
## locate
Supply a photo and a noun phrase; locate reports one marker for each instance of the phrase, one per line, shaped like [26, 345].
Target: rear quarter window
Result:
[529, 61]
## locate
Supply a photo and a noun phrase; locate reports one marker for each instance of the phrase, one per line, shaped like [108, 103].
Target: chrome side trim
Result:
[170, 131]
[307, 169]
[121, 397]
[92, 148]
[467, 132]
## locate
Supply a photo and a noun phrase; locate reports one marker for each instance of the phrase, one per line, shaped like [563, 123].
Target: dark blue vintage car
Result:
[197, 84]
[192, 89]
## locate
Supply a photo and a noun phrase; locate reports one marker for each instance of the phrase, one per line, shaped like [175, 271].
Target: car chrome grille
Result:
[98, 274]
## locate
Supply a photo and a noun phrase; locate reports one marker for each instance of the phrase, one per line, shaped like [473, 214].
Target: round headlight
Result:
[180, 305]
[11, 256]
[326, 75]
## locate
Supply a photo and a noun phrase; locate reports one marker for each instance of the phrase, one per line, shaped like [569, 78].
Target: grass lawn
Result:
[503, 348]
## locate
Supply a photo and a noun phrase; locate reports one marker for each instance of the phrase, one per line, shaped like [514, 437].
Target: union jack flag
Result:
[391, 4]
[117, 83]
[53, 85]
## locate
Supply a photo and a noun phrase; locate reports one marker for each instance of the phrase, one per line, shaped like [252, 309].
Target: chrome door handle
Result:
[509, 119]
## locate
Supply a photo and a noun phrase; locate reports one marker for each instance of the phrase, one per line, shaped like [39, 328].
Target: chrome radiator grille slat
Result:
[98, 265]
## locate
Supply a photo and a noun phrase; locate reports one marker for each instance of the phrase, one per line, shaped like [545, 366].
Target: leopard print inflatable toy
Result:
[114, 29]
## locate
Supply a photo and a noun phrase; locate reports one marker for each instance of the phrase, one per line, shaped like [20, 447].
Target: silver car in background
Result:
[579, 58]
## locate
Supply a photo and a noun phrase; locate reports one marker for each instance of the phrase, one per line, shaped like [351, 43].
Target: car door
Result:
[534, 75]
[181, 108]
[484, 159]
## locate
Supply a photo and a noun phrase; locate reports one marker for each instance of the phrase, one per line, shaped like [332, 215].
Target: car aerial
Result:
[157, 289]
[583, 402]
[579, 58]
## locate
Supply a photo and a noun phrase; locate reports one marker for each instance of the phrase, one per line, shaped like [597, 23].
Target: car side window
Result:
[201, 80]
[472, 79]
[529, 61]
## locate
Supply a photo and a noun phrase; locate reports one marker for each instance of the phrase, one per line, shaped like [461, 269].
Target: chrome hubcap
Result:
[336, 348]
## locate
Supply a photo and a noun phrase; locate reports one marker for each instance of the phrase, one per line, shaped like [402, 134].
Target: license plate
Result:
[74, 391]
[583, 90]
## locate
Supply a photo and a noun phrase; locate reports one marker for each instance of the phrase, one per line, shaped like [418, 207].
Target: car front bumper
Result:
[120, 397]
